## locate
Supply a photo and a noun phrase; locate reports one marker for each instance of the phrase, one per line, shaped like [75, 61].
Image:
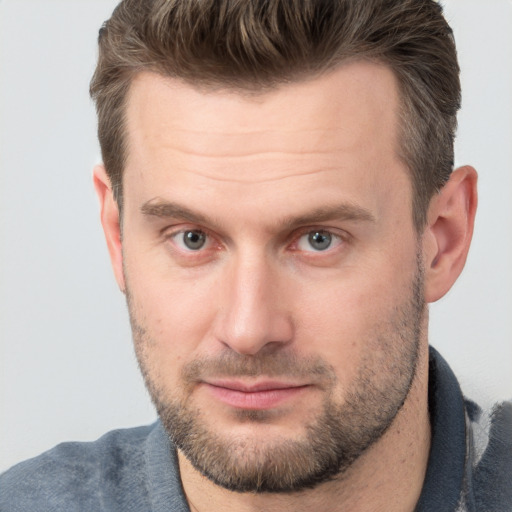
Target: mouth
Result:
[254, 396]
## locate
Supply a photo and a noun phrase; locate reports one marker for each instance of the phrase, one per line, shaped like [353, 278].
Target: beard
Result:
[330, 443]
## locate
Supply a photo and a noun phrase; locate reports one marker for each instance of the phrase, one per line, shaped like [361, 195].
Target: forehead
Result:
[352, 108]
[331, 139]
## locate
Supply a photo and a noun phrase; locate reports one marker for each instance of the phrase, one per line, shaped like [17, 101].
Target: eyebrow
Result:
[346, 211]
[167, 209]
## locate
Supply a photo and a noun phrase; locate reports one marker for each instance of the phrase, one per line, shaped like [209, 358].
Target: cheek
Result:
[175, 313]
[345, 318]
[332, 324]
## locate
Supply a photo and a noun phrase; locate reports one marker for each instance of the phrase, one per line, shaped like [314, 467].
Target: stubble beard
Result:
[330, 443]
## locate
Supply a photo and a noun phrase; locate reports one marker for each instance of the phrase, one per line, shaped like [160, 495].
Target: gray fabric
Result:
[491, 476]
[470, 464]
[131, 470]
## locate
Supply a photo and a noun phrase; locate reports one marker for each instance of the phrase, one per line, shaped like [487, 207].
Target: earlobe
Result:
[110, 220]
[449, 230]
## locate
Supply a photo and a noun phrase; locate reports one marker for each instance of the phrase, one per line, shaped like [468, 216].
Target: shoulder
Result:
[491, 439]
[77, 476]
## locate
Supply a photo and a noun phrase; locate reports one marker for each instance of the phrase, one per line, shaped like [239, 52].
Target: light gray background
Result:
[67, 371]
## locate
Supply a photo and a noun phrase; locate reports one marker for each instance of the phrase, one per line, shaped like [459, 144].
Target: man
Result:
[279, 203]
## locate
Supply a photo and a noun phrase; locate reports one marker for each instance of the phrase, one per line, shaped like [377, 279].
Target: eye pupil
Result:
[194, 240]
[320, 240]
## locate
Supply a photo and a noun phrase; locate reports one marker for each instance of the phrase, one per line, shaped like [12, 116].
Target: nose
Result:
[253, 312]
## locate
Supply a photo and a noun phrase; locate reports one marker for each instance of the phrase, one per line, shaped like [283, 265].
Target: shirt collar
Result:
[444, 479]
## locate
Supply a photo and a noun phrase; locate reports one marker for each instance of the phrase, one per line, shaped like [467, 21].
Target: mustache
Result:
[278, 364]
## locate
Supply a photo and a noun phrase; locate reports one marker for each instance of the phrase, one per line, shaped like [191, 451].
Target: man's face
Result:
[271, 268]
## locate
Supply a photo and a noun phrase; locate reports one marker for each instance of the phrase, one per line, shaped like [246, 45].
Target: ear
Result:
[110, 220]
[449, 230]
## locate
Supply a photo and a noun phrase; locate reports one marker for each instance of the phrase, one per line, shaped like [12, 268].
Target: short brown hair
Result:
[258, 44]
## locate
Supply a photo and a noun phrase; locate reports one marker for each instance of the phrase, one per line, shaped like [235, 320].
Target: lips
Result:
[255, 396]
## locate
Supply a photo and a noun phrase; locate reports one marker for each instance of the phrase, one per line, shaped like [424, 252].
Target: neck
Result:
[387, 477]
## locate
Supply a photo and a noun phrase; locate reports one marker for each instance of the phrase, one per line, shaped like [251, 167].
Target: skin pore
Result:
[277, 288]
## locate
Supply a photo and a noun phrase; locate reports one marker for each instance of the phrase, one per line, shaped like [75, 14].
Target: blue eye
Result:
[192, 239]
[317, 241]
[320, 240]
